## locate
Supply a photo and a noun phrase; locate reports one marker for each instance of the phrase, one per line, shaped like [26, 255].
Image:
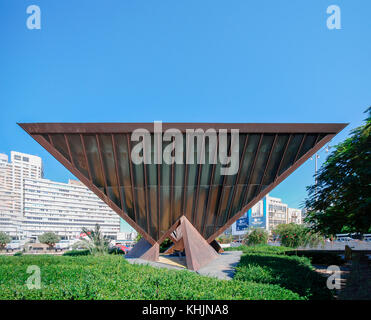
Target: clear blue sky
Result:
[183, 61]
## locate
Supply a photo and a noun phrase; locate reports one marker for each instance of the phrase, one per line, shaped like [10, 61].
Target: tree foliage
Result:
[341, 201]
[49, 238]
[256, 236]
[295, 235]
[4, 239]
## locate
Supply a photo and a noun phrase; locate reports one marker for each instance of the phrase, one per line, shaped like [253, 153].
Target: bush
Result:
[112, 277]
[4, 240]
[116, 251]
[74, 253]
[318, 257]
[266, 249]
[295, 235]
[290, 272]
[18, 253]
[256, 236]
[165, 245]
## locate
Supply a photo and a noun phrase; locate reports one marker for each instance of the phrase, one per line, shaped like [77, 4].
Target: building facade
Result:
[64, 208]
[31, 205]
[12, 175]
[267, 214]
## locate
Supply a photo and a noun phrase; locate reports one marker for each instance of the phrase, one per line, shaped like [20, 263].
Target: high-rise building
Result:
[64, 208]
[267, 214]
[12, 175]
[277, 212]
[31, 205]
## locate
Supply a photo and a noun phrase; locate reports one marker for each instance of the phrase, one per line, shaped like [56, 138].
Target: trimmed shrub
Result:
[266, 249]
[318, 257]
[116, 251]
[112, 277]
[74, 253]
[290, 272]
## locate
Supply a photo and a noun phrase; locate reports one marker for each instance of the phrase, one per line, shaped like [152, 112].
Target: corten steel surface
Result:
[152, 198]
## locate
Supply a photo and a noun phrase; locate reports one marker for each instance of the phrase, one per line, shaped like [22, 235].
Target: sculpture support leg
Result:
[144, 250]
[197, 249]
[215, 244]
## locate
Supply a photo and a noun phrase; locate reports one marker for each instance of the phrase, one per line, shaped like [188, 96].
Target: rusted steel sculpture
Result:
[187, 200]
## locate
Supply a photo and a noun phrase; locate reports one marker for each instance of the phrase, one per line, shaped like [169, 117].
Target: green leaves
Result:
[294, 235]
[341, 201]
[49, 238]
[4, 239]
[256, 236]
[288, 272]
[111, 277]
[95, 241]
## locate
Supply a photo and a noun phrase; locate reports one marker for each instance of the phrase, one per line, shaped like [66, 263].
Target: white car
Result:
[14, 245]
[62, 245]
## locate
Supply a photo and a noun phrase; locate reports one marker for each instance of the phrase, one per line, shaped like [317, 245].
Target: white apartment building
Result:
[277, 212]
[64, 208]
[31, 205]
[267, 214]
[12, 175]
[294, 216]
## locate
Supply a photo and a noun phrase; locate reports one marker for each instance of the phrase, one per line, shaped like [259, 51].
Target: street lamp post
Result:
[316, 157]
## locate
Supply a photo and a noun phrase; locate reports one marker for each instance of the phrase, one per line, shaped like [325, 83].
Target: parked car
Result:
[344, 239]
[121, 247]
[62, 245]
[14, 245]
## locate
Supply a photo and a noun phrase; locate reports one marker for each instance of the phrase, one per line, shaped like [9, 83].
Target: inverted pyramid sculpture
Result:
[155, 196]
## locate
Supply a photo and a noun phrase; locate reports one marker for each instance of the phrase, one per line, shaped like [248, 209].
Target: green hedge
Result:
[291, 272]
[260, 249]
[74, 253]
[318, 257]
[112, 277]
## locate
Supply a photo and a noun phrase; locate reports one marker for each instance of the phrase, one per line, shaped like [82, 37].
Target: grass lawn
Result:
[260, 275]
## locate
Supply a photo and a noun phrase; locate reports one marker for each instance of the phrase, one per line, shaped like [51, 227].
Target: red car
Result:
[122, 247]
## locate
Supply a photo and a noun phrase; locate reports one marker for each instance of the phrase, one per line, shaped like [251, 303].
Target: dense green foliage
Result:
[290, 272]
[295, 235]
[74, 253]
[49, 238]
[4, 240]
[111, 277]
[256, 236]
[261, 249]
[264, 272]
[165, 245]
[341, 200]
[319, 257]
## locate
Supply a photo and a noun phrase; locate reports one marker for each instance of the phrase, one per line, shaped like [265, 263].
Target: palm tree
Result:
[95, 242]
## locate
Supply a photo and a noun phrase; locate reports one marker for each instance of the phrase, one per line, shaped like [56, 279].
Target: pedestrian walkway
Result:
[222, 267]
